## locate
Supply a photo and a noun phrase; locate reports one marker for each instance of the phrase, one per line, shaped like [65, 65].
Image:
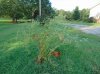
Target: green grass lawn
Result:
[9, 20]
[80, 52]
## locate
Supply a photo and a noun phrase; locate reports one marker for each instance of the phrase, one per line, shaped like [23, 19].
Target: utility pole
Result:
[40, 9]
[40, 13]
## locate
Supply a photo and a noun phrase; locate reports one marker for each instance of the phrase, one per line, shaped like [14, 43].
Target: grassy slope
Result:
[80, 53]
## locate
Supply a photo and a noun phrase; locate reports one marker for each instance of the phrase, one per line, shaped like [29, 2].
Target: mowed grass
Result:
[80, 52]
[9, 20]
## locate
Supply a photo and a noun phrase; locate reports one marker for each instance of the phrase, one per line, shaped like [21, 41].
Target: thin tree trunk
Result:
[14, 20]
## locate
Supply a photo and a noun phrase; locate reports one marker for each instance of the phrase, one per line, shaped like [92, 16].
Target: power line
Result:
[94, 6]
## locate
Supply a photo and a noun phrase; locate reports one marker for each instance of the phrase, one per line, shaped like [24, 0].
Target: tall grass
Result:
[21, 45]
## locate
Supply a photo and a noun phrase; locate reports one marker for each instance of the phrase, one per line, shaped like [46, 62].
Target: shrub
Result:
[92, 20]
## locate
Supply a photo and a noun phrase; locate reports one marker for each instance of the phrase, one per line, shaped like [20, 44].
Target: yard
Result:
[19, 49]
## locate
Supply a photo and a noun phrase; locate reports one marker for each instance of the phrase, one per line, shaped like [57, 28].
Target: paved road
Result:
[87, 29]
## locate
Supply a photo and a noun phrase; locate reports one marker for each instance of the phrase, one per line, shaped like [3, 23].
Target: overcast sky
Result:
[71, 4]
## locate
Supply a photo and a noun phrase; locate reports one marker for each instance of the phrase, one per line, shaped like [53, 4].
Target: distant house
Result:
[95, 12]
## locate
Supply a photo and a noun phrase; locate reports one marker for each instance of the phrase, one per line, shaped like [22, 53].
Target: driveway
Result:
[87, 29]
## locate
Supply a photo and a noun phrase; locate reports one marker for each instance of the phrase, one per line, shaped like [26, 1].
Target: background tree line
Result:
[28, 9]
[76, 14]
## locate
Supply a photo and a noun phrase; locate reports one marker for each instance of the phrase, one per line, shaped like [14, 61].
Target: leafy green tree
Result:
[84, 14]
[11, 8]
[25, 8]
[76, 14]
[30, 8]
[47, 10]
[61, 12]
[68, 15]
